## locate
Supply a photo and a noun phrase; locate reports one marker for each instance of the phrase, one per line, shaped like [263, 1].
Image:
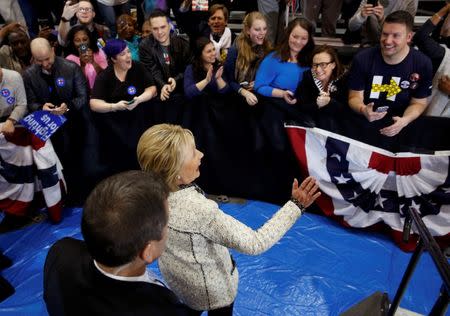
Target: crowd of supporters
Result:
[116, 74]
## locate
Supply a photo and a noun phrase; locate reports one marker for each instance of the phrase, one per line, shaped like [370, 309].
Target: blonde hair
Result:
[246, 55]
[161, 149]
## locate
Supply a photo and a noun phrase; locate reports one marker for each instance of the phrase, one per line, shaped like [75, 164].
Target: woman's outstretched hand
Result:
[307, 193]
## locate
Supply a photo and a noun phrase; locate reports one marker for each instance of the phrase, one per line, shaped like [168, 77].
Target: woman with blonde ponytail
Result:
[244, 57]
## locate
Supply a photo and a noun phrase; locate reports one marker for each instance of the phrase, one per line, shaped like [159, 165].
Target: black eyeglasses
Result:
[322, 65]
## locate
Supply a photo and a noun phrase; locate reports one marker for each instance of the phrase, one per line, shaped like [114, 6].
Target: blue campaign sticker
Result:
[43, 124]
[6, 93]
[11, 100]
[60, 82]
[131, 90]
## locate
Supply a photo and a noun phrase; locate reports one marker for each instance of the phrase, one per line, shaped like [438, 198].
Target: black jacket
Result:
[330, 116]
[74, 286]
[151, 55]
[72, 91]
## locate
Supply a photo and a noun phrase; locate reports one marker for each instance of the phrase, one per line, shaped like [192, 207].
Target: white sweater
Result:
[196, 263]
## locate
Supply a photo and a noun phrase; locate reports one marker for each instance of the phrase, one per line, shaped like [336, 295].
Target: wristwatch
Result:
[64, 19]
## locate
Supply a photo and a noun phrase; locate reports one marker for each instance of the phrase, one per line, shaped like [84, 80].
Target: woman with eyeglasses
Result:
[322, 94]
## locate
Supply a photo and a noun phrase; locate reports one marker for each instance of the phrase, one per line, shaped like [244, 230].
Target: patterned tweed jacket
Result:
[196, 263]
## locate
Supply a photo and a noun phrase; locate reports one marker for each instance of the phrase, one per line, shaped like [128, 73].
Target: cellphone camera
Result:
[83, 48]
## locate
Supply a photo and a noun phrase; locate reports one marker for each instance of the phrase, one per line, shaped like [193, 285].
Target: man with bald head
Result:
[84, 12]
[58, 86]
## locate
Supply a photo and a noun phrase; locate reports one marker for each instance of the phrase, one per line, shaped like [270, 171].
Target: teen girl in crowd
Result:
[244, 57]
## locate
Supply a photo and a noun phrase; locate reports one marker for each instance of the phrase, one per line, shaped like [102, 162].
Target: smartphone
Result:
[382, 109]
[83, 48]
[373, 2]
[130, 102]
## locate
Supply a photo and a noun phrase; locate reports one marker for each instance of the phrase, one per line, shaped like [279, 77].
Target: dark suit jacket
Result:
[74, 286]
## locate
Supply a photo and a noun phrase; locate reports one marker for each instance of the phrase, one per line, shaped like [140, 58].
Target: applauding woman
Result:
[323, 92]
[117, 94]
[246, 54]
[281, 71]
[205, 73]
[197, 264]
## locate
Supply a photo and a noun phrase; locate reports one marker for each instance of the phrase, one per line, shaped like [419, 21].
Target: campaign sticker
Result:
[60, 82]
[11, 100]
[131, 90]
[414, 85]
[414, 77]
[404, 84]
[6, 93]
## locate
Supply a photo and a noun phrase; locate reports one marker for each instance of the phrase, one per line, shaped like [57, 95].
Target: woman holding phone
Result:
[82, 50]
[118, 101]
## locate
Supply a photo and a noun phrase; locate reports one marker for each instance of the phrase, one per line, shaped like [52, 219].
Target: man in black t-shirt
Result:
[391, 83]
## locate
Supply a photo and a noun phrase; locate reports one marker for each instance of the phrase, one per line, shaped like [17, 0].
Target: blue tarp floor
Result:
[318, 267]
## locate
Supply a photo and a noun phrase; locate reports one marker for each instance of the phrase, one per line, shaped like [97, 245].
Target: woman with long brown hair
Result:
[281, 71]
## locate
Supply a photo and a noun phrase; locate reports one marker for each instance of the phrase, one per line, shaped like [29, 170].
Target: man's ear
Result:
[147, 254]
[409, 37]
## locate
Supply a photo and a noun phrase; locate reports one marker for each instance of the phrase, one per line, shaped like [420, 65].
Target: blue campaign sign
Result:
[43, 124]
